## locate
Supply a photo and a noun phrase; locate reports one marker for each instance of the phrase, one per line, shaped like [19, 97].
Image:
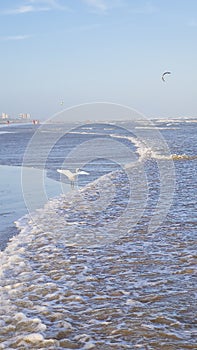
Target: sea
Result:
[109, 263]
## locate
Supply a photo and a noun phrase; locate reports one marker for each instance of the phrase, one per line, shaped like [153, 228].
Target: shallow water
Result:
[12, 201]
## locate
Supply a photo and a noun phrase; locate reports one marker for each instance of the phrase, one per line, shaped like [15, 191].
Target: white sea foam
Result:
[144, 148]
[7, 132]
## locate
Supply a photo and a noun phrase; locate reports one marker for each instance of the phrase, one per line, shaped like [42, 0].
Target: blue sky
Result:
[98, 50]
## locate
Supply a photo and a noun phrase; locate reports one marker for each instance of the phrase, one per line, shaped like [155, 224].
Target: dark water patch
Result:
[6, 235]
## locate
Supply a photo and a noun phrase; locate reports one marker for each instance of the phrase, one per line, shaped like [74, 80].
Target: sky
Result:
[83, 51]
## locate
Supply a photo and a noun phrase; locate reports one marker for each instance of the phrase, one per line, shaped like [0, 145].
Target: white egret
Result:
[72, 176]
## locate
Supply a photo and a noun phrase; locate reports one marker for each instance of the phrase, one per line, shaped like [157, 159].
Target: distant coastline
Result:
[18, 121]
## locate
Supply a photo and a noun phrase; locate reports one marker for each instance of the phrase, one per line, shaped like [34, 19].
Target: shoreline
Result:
[18, 122]
[13, 205]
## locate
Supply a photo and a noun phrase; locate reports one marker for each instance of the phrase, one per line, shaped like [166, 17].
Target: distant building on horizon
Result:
[4, 115]
[24, 115]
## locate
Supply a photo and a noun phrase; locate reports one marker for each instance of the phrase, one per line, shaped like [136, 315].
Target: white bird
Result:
[72, 176]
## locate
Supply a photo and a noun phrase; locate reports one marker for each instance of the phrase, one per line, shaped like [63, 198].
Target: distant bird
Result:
[72, 176]
[163, 75]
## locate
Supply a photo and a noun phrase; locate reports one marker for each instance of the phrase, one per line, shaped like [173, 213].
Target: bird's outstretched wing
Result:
[83, 172]
[65, 172]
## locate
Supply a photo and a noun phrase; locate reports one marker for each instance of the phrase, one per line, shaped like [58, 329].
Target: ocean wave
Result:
[7, 132]
[183, 157]
[145, 152]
